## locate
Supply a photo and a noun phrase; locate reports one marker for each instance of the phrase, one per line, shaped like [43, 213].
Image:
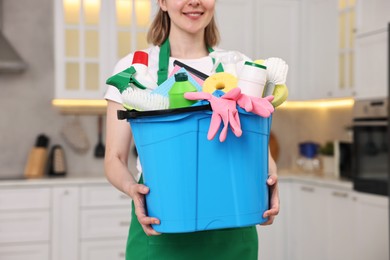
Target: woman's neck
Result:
[187, 47]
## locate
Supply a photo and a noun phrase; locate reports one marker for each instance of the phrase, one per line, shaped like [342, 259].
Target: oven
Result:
[370, 146]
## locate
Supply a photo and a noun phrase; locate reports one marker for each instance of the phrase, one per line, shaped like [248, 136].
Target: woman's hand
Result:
[274, 199]
[272, 182]
[138, 192]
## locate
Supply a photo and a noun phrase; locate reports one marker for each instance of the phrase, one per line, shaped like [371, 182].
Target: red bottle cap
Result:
[140, 57]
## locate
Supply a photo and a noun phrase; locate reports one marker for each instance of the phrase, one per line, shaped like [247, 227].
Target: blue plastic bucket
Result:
[196, 184]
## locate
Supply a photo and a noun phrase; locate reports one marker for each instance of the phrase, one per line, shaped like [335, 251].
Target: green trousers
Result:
[222, 244]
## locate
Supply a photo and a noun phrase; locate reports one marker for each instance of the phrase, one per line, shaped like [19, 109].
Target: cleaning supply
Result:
[141, 78]
[228, 59]
[259, 106]
[280, 95]
[224, 108]
[176, 93]
[252, 79]
[137, 74]
[143, 100]
[276, 73]
[164, 87]
[37, 159]
[223, 81]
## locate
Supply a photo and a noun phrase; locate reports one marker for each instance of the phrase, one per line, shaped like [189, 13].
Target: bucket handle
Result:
[130, 114]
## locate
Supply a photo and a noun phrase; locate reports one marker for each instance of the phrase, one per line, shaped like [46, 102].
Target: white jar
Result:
[252, 79]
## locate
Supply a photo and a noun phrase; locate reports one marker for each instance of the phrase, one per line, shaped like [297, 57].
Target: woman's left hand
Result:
[274, 199]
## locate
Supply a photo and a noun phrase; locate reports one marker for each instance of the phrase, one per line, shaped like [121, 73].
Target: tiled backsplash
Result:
[292, 126]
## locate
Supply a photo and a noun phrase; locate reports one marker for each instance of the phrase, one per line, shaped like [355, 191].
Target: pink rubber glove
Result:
[256, 105]
[224, 109]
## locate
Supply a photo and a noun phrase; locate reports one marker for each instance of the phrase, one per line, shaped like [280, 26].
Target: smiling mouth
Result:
[193, 14]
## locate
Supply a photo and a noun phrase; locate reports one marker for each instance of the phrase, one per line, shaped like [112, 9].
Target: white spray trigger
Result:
[228, 60]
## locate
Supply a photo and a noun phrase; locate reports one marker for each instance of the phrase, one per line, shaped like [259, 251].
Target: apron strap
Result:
[163, 63]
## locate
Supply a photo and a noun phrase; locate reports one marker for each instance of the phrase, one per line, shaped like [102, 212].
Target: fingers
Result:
[272, 182]
[139, 192]
[214, 126]
[272, 179]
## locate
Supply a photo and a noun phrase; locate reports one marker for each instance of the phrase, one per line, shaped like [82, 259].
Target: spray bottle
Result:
[228, 59]
[141, 78]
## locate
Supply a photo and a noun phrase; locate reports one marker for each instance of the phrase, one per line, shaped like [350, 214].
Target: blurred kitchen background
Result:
[27, 97]
[337, 51]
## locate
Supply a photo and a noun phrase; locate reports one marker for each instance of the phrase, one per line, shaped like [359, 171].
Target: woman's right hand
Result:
[138, 192]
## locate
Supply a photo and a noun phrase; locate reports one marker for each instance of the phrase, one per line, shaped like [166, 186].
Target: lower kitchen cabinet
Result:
[64, 222]
[341, 225]
[24, 223]
[90, 220]
[103, 250]
[273, 238]
[308, 222]
[25, 251]
[327, 222]
[372, 227]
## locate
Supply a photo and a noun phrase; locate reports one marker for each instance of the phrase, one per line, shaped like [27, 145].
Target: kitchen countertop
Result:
[284, 176]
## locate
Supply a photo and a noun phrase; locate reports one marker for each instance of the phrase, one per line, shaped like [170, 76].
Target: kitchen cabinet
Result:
[371, 65]
[58, 221]
[23, 252]
[371, 75]
[104, 222]
[308, 220]
[65, 225]
[24, 223]
[273, 239]
[278, 34]
[304, 33]
[341, 225]
[318, 220]
[319, 43]
[231, 15]
[372, 227]
[372, 16]
[90, 37]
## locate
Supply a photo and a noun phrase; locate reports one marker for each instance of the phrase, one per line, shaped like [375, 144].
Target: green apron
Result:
[221, 244]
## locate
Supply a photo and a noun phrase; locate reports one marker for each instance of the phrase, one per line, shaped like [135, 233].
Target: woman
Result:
[185, 30]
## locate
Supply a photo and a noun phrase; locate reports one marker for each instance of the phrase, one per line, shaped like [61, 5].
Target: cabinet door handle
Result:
[307, 189]
[340, 194]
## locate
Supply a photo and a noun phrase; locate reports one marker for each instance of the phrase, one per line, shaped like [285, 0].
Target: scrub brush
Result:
[143, 99]
[276, 74]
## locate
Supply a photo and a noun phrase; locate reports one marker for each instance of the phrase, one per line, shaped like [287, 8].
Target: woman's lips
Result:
[193, 14]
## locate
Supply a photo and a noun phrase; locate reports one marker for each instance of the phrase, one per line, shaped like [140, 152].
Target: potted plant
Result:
[327, 159]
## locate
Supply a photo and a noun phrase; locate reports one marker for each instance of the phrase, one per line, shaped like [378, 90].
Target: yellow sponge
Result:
[221, 80]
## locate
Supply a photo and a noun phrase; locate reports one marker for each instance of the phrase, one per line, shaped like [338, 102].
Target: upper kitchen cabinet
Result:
[372, 40]
[278, 35]
[318, 76]
[90, 37]
[235, 20]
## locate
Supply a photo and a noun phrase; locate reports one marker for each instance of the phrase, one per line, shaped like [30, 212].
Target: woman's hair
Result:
[161, 25]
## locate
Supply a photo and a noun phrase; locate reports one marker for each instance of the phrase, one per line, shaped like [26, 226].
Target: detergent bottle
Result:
[142, 78]
[252, 79]
[176, 93]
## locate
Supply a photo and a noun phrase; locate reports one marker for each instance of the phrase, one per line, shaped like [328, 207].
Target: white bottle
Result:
[252, 79]
[140, 64]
